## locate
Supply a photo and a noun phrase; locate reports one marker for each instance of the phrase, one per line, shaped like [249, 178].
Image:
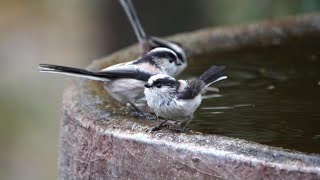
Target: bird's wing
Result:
[120, 65]
[193, 89]
[132, 72]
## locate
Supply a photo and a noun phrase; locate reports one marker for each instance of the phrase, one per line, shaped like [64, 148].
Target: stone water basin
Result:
[262, 123]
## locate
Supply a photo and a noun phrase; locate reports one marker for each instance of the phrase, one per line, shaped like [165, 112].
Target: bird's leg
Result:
[158, 127]
[140, 114]
[182, 129]
[185, 126]
[135, 107]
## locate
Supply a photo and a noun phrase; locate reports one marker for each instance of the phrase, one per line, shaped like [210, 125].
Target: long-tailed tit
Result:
[177, 100]
[148, 43]
[125, 82]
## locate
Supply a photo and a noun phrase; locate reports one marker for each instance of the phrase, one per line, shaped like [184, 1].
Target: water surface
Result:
[271, 97]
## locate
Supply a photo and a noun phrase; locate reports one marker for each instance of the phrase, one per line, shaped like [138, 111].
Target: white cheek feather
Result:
[172, 70]
[167, 67]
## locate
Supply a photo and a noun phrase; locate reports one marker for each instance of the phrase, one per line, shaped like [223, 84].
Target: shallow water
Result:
[270, 97]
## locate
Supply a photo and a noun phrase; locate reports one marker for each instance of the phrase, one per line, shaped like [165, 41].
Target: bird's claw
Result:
[181, 130]
[146, 116]
[139, 114]
[158, 127]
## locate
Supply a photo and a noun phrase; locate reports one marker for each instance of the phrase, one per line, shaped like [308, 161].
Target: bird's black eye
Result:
[170, 61]
[158, 85]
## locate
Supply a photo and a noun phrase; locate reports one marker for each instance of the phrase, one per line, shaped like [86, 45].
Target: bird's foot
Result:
[181, 129]
[158, 127]
[144, 115]
[150, 116]
[139, 114]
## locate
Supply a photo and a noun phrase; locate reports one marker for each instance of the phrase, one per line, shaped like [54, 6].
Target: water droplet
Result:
[243, 105]
[212, 89]
[211, 96]
[271, 87]
[217, 112]
[218, 107]
[316, 137]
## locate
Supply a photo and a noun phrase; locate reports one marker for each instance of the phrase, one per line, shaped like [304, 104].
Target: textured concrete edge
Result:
[211, 145]
[212, 150]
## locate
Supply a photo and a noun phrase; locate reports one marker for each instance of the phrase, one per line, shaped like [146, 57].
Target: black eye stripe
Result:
[165, 82]
[165, 54]
[152, 57]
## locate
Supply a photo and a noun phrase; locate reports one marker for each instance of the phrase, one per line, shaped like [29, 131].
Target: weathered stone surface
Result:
[99, 140]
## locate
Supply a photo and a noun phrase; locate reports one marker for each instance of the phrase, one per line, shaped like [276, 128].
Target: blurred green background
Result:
[74, 32]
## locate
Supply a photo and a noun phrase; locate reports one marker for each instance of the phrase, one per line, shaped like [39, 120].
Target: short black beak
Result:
[178, 63]
[147, 85]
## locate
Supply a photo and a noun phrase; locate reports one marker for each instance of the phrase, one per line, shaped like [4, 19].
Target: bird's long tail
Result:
[70, 71]
[131, 73]
[212, 75]
[134, 20]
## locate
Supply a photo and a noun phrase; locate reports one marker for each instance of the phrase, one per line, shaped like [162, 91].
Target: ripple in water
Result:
[268, 98]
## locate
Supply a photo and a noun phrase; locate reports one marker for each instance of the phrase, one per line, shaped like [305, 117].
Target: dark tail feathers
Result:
[99, 75]
[134, 19]
[213, 74]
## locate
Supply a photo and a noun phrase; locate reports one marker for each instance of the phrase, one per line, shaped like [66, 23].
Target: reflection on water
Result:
[270, 98]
